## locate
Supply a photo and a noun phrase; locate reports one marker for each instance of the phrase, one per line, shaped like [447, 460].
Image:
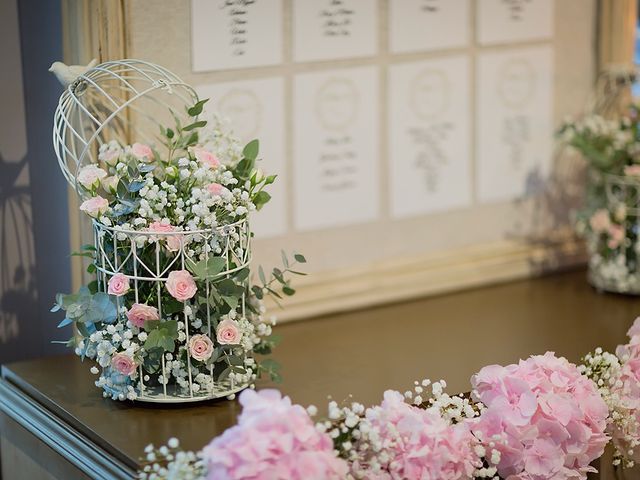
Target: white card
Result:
[336, 148]
[504, 21]
[229, 34]
[429, 136]
[256, 110]
[514, 122]
[419, 25]
[331, 29]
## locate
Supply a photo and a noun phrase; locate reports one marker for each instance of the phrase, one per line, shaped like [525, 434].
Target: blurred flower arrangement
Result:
[540, 419]
[609, 220]
[172, 314]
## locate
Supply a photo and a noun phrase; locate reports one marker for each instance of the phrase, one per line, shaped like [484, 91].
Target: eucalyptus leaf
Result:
[65, 322]
[197, 108]
[136, 186]
[194, 125]
[250, 151]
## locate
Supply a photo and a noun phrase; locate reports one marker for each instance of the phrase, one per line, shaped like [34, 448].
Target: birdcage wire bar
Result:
[235, 240]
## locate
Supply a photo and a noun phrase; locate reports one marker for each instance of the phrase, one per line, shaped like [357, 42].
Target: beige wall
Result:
[159, 31]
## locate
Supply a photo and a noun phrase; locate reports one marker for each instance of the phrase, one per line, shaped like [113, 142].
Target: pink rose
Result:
[140, 313]
[123, 363]
[616, 236]
[200, 347]
[90, 176]
[118, 285]
[205, 157]
[632, 170]
[216, 189]
[227, 332]
[94, 207]
[142, 152]
[181, 285]
[600, 221]
[173, 241]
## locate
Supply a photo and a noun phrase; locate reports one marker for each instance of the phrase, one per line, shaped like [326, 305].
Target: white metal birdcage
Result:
[122, 100]
[130, 101]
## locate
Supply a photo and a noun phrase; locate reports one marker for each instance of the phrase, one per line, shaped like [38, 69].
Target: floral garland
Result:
[540, 419]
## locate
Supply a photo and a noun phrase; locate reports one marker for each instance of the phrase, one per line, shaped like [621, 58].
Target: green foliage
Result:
[197, 108]
[85, 309]
[267, 344]
[278, 284]
[271, 368]
[207, 268]
[161, 335]
[260, 199]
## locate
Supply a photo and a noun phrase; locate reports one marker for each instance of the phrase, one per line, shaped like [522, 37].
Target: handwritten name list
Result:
[230, 34]
[514, 121]
[429, 136]
[422, 25]
[335, 151]
[331, 29]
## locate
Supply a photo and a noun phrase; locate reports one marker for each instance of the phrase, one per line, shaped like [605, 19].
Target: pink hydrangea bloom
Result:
[273, 440]
[545, 418]
[627, 390]
[423, 444]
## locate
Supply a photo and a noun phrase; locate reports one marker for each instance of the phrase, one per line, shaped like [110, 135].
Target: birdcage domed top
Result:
[124, 100]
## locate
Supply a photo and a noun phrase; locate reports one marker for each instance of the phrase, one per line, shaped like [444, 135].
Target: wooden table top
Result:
[362, 353]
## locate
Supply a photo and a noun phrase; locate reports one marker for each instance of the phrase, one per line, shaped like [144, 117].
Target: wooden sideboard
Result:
[54, 423]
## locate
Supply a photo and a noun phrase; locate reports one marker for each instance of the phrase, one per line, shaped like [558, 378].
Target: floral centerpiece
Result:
[609, 221]
[172, 314]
